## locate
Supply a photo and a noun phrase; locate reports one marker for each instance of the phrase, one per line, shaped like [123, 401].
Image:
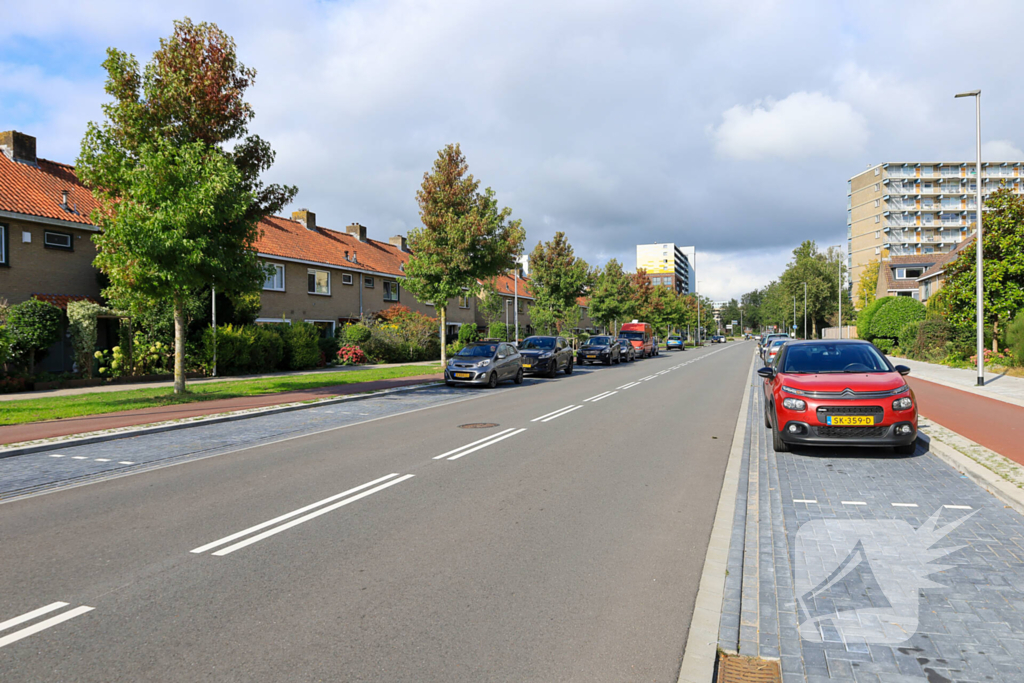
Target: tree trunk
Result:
[995, 336]
[441, 313]
[179, 344]
[814, 328]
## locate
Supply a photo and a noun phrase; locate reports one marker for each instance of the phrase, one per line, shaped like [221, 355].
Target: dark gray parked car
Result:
[601, 349]
[546, 355]
[484, 363]
[627, 352]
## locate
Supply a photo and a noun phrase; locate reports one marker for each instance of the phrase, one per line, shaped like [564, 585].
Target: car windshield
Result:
[543, 343]
[630, 334]
[479, 350]
[599, 341]
[834, 358]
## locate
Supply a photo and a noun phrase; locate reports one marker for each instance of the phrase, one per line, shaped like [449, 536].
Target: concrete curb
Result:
[978, 473]
[185, 423]
[702, 639]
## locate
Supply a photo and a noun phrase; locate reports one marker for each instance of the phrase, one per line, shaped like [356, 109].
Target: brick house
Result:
[898, 276]
[934, 278]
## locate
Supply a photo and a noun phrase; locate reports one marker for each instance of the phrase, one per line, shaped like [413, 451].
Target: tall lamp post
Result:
[840, 300]
[794, 315]
[805, 310]
[698, 313]
[976, 94]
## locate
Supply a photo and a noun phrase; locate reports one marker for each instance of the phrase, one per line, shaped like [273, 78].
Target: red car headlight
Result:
[905, 403]
[794, 404]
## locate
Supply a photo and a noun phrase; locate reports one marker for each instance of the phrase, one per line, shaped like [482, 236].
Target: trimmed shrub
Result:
[908, 338]
[500, 331]
[301, 349]
[884, 345]
[33, 327]
[894, 314]
[243, 350]
[865, 316]
[933, 336]
[1015, 339]
[357, 334]
[468, 334]
[328, 346]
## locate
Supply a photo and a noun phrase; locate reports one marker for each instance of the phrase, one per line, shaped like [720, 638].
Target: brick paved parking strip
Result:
[882, 568]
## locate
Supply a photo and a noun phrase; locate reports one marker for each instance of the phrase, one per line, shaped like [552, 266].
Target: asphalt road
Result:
[569, 548]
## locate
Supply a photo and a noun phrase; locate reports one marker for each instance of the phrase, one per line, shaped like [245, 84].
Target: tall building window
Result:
[878, 202]
[275, 281]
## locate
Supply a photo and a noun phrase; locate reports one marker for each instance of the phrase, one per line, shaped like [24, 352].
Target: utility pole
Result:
[979, 273]
[805, 310]
[515, 308]
[794, 311]
[213, 305]
[841, 300]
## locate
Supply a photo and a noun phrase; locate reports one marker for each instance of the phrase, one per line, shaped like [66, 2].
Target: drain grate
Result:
[737, 669]
[478, 425]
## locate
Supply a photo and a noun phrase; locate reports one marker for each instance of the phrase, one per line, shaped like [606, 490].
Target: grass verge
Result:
[99, 403]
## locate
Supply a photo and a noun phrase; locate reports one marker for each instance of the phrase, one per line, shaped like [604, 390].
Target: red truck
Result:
[641, 336]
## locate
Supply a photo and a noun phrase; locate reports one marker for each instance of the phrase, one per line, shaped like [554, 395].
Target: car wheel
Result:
[767, 420]
[778, 444]
[608, 360]
[907, 449]
[519, 376]
[449, 384]
[492, 381]
[568, 368]
[554, 369]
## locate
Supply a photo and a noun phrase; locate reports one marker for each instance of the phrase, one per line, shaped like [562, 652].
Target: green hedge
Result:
[500, 330]
[301, 345]
[865, 316]
[469, 334]
[1015, 338]
[244, 350]
[884, 345]
[893, 315]
[356, 334]
[908, 338]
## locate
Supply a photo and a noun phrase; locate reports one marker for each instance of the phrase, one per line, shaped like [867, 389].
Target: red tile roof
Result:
[290, 239]
[506, 285]
[888, 270]
[61, 300]
[36, 191]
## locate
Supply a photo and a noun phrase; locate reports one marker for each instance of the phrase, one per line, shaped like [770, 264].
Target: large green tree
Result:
[820, 272]
[611, 297]
[465, 238]
[1003, 253]
[558, 278]
[868, 284]
[178, 209]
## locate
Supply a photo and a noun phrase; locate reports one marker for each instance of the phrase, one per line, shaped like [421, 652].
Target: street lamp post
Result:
[698, 312]
[976, 94]
[840, 300]
[515, 309]
[794, 313]
[805, 310]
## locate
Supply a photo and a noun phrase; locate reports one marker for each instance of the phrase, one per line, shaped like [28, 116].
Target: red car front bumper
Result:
[811, 426]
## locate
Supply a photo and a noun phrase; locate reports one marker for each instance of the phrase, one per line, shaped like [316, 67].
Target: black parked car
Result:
[484, 363]
[599, 350]
[546, 355]
[626, 350]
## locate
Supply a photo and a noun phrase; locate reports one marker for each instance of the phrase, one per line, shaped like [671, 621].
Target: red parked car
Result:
[838, 393]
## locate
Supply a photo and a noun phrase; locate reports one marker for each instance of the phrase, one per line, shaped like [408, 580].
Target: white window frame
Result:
[878, 202]
[278, 271]
[392, 291]
[464, 297]
[70, 246]
[878, 219]
[332, 323]
[271, 321]
[347, 279]
[314, 271]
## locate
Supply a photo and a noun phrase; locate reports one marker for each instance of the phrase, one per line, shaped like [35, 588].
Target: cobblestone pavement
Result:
[859, 565]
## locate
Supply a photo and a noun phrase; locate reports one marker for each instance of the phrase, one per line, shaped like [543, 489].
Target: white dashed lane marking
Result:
[39, 626]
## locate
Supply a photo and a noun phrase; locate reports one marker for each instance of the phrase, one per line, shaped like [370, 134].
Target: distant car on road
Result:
[484, 363]
[601, 349]
[546, 355]
[838, 393]
[674, 341]
[717, 339]
[626, 350]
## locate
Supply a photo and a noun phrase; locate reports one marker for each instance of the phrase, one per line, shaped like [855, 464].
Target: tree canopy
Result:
[558, 279]
[611, 299]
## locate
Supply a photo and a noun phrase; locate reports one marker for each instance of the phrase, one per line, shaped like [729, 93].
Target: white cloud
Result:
[1001, 150]
[803, 125]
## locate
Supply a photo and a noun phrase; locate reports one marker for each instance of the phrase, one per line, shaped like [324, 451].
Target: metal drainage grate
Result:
[479, 425]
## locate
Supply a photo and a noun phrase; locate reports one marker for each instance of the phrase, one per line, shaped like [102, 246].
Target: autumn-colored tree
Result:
[642, 292]
[179, 212]
[465, 238]
[558, 278]
[868, 284]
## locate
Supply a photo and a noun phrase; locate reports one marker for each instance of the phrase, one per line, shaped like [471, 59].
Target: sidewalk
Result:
[94, 423]
[204, 380]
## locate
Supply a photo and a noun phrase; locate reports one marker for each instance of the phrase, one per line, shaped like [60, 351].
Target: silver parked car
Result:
[485, 364]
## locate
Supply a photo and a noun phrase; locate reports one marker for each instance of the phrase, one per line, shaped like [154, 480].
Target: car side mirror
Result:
[767, 372]
[502, 356]
[903, 370]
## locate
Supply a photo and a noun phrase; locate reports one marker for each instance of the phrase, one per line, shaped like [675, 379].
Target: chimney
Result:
[19, 147]
[358, 230]
[400, 242]
[306, 217]
[64, 200]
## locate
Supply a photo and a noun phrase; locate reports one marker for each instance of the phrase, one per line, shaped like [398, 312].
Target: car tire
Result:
[608, 361]
[767, 420]
[492, 381]
[568, 368]
[554, 369]
[778, 445]
[519, 376]
[906, 449]
[449, 384]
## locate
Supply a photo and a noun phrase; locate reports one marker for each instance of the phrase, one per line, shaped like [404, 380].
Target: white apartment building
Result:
[668, 265]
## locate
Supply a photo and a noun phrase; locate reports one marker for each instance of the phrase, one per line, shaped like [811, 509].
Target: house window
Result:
[390, 291]
[463, 302]
[878, 219]
[877, 171]
[57, 240]
[346, 278]
[520, 306]
[319, 282]
[878, 250]
[275, 282]
[908, 273]
[878, 187]
[878, 202]
[326, 327]
[878, 233]
[3, 245]
[368, 282]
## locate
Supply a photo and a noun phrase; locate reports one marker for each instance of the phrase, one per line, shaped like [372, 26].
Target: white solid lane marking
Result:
[564, 412]
[804, 500]
[904, 505]
[608, 395]
[43, 625]
[552, 413]
[854, 502]
[56, 455]
[102, 459]
[313, 515]
[78, 457]
[958, 507]
[28, 616]
[125, 462]
[486, 438]
[594, 398]
[489, 443]
[289, 515]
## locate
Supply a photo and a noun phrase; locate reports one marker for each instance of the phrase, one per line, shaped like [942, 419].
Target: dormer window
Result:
[909, 273]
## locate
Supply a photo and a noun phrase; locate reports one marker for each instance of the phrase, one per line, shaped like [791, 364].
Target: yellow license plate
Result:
[462, 375]
[591, 356]
[851, 420]
[527, 365]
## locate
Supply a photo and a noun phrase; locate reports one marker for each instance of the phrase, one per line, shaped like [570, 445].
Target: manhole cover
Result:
[478, 425]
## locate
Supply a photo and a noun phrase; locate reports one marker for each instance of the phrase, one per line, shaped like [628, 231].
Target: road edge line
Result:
[702, 638]
[999, 487]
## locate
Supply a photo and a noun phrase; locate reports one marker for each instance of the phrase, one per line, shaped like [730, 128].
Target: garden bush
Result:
[907, 338]
[329, 346]
[33, 326]
[469, 334]
[501, 331]
[351, 355]
[243, 350]
[301, 349]
[893, 315]
[884, 345]
[357, 334]
[865, 316]
[933, 336]
[1015, 339]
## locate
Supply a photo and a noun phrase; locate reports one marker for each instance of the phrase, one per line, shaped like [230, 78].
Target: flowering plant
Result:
[351, 355]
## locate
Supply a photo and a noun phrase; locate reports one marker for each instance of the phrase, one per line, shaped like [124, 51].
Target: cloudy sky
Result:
[732, 125]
